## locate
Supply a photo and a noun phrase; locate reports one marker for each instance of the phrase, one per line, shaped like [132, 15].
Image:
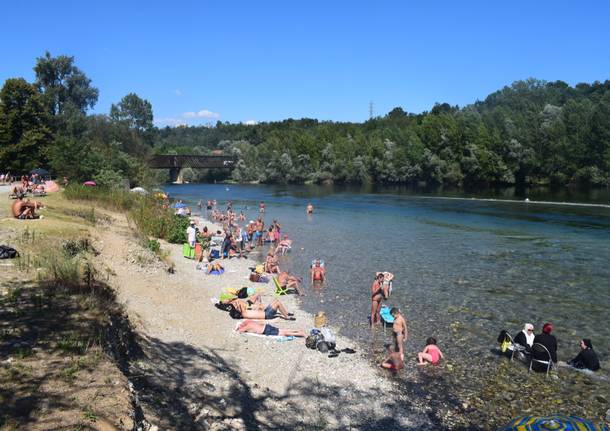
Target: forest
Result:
[532, 132]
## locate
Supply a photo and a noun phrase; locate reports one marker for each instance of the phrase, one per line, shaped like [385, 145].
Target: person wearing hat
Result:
[191, 233]
[586, 358]
[547, 340]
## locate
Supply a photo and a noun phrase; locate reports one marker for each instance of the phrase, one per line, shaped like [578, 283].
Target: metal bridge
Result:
[175, 163]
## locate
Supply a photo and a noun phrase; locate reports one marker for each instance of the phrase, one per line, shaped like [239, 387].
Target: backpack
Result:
[7, 252]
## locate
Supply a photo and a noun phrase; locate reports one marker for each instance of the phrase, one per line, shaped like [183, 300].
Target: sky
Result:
[199, 62]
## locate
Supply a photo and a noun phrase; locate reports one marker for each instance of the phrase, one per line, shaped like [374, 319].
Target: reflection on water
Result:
[465, 269]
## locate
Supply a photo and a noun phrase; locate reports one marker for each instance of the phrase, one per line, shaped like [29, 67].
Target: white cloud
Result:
[178, 92]
[171, 122]
[251, 123]
[204, 113]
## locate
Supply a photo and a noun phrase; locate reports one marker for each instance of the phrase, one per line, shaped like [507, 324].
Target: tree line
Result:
[531, 132]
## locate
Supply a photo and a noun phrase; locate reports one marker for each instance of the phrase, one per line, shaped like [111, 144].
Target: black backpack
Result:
[7, 252]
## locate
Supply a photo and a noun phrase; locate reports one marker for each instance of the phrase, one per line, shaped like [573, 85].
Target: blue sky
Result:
[202, 61]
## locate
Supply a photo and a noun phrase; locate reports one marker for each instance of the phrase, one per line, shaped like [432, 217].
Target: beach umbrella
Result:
[179, 205]
[552, 423]
[89, 183]
[40, 172]
[139, 190]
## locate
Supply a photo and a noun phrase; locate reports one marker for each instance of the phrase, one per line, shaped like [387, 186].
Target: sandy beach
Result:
[197, 373]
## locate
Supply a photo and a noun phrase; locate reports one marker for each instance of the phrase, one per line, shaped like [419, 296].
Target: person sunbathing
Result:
[259, 311]
[289, 281]
[261, 328]
[25, 209]
[271, 263]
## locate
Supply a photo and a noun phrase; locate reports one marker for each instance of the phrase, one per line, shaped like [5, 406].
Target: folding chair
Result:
[539, 353]
[279, 290]
[508, 344]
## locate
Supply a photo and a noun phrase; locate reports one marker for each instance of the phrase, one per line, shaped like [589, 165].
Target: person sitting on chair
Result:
[523, 340]
[289, 281]
[547, 340]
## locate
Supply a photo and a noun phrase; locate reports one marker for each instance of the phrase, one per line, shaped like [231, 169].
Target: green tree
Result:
[133, 111]
[25, 131]
[63, 84]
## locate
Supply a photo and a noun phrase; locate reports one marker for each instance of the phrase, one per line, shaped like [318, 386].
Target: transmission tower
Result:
[370, 110]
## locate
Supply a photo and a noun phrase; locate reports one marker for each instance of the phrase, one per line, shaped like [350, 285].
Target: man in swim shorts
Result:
[290, 282]
[264, 329]
[399, 331]
[318, 274]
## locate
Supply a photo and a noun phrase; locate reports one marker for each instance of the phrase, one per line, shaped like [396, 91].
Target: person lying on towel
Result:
[264, 329]
[258, 310]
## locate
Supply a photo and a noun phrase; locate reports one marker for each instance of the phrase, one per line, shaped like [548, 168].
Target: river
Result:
[466, 266]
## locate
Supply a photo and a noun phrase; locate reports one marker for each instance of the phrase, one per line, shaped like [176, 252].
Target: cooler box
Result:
[188, 251]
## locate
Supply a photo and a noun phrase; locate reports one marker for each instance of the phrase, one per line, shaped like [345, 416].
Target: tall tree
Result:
[24, 126]
[63, 84]
[135, 112]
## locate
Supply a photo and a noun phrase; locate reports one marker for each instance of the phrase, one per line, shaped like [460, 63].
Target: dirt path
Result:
[194, 372]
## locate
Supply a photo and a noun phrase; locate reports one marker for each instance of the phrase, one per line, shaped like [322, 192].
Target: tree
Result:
[24, 127]
[62, 84]
[133, 111]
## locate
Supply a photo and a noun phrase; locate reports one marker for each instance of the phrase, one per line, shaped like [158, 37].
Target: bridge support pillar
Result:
[174, 175]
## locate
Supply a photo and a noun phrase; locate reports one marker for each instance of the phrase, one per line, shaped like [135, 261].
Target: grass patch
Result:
[151, 216]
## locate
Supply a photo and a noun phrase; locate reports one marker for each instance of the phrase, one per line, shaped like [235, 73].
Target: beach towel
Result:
[279, 338]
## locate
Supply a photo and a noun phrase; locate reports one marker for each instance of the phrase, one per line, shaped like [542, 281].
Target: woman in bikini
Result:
[376, 298]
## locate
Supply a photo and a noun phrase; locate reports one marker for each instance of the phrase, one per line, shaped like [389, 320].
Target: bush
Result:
[153, 245]
[177, 230]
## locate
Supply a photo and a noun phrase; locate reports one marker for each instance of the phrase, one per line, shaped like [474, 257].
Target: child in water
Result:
[431, 353]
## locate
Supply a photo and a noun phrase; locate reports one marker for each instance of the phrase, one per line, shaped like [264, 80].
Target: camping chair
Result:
[541, 351]
[279, 290]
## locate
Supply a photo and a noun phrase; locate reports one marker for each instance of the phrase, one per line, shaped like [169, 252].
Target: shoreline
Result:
[283, 384]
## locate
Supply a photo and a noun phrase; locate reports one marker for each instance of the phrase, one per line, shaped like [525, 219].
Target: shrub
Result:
[177, 230]
[153, 245]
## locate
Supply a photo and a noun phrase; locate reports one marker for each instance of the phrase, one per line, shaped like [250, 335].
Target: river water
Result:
[465, 267]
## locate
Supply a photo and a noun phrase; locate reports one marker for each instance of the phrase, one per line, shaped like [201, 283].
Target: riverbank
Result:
[186, 365]
[57, 368]
[196, 372]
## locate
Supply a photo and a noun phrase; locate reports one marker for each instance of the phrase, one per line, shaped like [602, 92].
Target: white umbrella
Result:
[139, 190]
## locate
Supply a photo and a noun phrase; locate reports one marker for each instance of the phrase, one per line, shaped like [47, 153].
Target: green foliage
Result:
[108, 178]
[64, 85]
[153, 245]
[134, 112]
[177, 230]
[24, 126]
[530, 132]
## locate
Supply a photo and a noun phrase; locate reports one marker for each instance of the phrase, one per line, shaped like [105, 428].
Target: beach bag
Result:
[7, 252]
[328, 337]
[244, 292]
[255, 277]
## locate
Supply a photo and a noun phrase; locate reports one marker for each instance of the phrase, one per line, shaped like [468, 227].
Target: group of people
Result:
[524, 341]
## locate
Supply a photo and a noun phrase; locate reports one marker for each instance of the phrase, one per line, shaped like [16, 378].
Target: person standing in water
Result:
[309, 208]
[318, 273]
[376, 298]
[261, 207]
